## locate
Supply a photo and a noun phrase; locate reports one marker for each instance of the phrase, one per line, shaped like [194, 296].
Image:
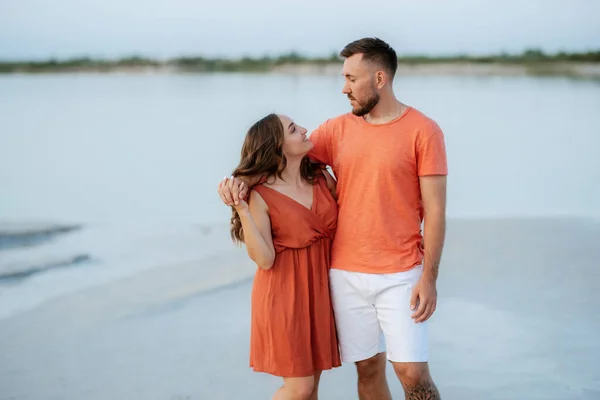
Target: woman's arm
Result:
[257, 231]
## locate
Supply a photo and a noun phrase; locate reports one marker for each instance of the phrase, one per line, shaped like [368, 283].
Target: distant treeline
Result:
[261, 64]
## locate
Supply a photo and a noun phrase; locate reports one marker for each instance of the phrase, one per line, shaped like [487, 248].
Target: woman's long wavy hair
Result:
[262, 155]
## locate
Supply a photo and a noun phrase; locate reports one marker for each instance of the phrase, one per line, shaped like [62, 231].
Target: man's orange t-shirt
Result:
[378, 169]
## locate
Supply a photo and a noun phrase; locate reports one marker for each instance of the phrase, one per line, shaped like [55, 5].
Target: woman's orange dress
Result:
[293, 330]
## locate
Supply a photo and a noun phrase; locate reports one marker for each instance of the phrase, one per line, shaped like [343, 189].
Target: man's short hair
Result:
[374, 50]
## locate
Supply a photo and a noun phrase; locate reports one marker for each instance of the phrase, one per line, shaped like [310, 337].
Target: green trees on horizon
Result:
[265, 63]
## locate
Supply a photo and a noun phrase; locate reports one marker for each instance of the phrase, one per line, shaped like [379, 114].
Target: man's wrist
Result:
[429, 275]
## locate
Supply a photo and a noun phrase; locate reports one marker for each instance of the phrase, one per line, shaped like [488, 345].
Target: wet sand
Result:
[517, 319]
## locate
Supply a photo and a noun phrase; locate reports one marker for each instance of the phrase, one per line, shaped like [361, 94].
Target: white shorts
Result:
[371, 307]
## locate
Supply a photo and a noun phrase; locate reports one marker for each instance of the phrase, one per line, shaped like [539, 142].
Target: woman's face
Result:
[295, 141]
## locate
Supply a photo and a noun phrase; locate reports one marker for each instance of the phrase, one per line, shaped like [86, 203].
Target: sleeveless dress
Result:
[292, 324]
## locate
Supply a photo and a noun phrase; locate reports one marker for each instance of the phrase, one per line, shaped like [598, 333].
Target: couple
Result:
[344, 260]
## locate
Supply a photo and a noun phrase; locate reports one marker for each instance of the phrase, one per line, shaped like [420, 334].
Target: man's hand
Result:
[425, 296]
[232, 190]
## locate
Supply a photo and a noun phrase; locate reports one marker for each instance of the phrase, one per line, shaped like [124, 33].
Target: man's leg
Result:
[416, 381]
[372, 383]
[359, 333]
[406, 340]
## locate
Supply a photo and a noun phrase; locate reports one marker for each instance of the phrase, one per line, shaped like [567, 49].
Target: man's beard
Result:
[366, 107]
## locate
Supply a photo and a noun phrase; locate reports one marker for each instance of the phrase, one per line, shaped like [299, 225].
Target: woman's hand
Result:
[233, 185]
[232, 190]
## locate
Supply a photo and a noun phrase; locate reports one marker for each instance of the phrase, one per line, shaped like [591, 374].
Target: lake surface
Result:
[151, 148]
[135, 160]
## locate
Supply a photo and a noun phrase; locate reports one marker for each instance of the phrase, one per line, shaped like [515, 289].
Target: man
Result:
[390, 162]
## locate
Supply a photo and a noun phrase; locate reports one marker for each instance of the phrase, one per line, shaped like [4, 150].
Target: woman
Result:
[287, 226]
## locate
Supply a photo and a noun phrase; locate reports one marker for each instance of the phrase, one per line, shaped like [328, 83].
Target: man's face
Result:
[360, 85]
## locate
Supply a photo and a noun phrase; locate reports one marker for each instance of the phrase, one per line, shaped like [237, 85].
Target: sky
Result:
[39, 29]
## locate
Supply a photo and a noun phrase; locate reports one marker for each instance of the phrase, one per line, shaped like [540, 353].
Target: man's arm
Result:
[433, 194]
[331, 183]
[322, 141]
[432, 169]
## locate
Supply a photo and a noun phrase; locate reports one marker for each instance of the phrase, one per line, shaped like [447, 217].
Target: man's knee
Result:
[372, 368]
[412, 373]
[416, 381]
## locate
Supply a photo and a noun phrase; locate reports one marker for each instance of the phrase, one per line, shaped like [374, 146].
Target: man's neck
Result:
[388, 109]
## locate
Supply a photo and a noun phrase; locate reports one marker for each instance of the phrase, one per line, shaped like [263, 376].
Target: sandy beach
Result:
[516, 319]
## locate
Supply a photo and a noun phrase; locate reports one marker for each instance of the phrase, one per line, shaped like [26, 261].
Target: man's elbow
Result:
[435, 211]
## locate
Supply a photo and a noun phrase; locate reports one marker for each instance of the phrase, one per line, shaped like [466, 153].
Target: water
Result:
[139, 148]
[135, 159]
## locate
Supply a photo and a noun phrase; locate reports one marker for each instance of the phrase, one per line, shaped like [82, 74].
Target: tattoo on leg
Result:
[422, 391]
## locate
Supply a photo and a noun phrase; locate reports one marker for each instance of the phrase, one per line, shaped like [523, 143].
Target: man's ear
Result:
[380, 79]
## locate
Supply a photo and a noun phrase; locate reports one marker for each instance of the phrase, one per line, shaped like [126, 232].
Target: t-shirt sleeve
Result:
[431, 155]
[322, 142]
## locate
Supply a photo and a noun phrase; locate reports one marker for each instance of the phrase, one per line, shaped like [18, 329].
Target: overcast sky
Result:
[113, 28]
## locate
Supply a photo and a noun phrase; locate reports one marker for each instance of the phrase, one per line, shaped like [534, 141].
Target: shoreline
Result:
[181, 279]
[572, 69]
[586, 70]
[184, 328]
